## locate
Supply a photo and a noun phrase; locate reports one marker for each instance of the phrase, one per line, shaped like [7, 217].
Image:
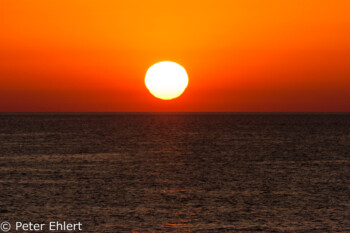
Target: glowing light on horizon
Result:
[166, 80]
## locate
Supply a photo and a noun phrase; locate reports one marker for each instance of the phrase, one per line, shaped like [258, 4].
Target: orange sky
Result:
[267, 55]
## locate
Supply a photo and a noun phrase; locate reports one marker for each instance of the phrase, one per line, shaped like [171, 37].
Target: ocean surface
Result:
[177, 172]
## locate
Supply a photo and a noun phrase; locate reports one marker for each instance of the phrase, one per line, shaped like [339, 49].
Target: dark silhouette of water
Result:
[177, 172]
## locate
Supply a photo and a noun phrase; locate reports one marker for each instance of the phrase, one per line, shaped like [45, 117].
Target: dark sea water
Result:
[177, 172]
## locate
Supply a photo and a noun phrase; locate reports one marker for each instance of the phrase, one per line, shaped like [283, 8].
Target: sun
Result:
[166, 80]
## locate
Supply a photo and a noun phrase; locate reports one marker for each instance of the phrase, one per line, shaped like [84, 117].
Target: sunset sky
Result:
[240, 56]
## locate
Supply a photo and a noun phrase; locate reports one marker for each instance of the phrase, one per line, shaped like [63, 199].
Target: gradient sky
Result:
[254, 56]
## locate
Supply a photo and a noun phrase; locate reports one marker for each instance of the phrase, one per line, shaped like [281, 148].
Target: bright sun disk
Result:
[166, 80]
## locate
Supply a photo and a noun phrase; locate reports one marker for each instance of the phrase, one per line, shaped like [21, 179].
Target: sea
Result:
[176, 172]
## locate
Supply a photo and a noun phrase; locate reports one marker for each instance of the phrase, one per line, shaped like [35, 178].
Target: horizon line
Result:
[173, 112]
